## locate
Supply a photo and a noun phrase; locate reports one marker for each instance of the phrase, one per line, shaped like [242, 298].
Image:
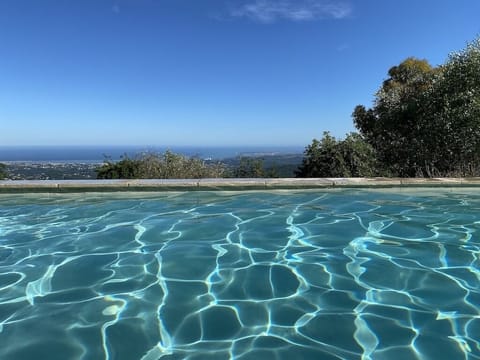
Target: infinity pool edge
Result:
[9, 186]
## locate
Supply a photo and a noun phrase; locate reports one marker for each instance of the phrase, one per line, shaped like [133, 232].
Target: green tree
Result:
[395, 125]
[358, 157]
[425, 121]
[454, 113]
[124, 169]
[329, 157]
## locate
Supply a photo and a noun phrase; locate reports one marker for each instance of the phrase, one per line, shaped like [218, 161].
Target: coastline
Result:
[286, 163]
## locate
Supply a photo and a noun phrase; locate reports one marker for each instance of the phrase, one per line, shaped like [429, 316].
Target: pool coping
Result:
[226, 184]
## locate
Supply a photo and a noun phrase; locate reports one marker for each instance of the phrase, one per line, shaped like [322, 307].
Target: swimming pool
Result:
[324, 274]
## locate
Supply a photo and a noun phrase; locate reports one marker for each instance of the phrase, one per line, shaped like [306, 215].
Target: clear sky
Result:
[208, 72]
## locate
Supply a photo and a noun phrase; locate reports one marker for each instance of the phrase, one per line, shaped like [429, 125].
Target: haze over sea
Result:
[93, 154]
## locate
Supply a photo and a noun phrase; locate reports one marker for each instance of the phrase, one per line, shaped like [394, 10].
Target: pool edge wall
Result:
[66, 186]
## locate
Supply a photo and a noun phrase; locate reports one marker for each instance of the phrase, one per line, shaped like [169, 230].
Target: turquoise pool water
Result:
[331, 274]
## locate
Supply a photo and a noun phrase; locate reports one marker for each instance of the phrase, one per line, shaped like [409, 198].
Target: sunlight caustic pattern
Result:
[331, 274]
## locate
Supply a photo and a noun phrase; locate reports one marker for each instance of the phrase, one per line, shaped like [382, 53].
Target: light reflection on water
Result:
[331, 274]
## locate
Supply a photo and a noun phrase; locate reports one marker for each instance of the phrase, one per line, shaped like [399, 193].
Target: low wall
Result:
[224, 184]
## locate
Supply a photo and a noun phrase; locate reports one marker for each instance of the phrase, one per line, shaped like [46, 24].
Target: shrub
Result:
[330, 157]
[160, 166]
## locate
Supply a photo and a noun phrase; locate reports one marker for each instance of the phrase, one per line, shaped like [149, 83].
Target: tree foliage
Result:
[329, 157]
[160, 166]
[394, 125]
[425, 121]
[455, 112]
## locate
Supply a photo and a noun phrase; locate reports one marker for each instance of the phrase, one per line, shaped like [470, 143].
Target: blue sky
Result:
[207, 72]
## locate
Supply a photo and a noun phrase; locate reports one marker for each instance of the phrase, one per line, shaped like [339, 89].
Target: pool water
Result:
[331, 274]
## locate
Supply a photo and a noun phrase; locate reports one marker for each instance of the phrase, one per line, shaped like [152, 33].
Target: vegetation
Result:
[263, 165]
[160, 166]
[394, 126]
[170, 165]
[124, 169]
[329, 157]
[249, 167]
[425, 121]
[255, 167]
[3, 171]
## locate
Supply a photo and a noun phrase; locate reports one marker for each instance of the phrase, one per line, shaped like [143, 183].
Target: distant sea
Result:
[97, 154]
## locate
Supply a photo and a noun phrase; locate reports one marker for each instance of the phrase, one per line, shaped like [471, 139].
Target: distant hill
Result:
[282, 165]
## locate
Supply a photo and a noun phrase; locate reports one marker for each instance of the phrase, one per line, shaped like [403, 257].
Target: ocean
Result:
[97, 154]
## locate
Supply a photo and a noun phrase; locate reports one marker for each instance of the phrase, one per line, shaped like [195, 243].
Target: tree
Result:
[124, 169]
[322, 159]
[358, 156]
[328, 157]
[455, 113]
[425, 121]
[394, 126]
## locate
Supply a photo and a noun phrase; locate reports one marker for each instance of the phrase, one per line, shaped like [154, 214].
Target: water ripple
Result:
[333, 274]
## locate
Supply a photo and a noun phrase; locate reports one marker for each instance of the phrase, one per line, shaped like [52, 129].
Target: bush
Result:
[124, 169]
[160, 166]
[352, 157]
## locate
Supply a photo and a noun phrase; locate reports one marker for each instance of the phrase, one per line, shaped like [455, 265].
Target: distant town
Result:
[275, 165]
[51, 171]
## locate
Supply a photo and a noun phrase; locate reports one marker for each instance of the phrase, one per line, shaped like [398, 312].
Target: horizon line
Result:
[150, 145]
